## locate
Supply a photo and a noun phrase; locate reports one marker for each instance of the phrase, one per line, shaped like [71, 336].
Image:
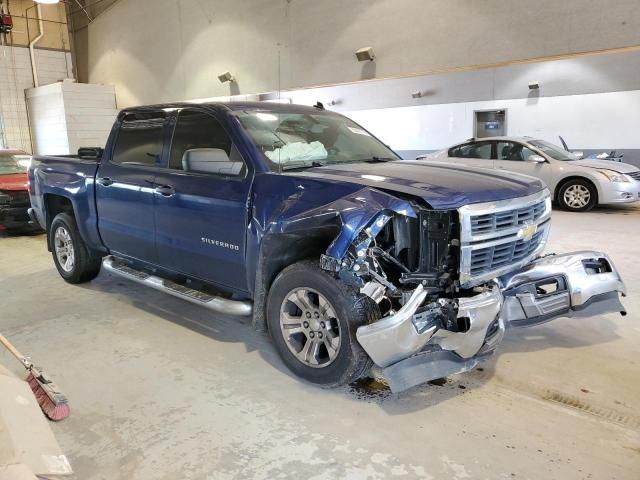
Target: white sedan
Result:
[577, 185]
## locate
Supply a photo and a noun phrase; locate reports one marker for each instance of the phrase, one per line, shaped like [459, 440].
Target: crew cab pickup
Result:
[348, 256]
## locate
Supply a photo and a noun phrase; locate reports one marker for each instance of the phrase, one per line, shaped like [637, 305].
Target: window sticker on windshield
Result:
[359, 131]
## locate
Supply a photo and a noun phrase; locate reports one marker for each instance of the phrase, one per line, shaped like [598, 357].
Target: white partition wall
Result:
[66, 116]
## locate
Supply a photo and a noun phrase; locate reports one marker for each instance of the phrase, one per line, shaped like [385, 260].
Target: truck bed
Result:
[70, 177]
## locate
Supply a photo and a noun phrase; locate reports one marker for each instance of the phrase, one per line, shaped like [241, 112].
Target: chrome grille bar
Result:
[499, 236]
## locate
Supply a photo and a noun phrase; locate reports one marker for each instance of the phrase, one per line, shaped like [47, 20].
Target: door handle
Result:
[165, 190]
[105, 181]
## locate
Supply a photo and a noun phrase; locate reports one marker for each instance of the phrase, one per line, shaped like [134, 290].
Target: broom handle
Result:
[14, 351]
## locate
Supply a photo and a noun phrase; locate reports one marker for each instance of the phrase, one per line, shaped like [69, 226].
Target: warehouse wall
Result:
[177, 51]
[594, 122]
[53, 62]
[15, 77]
[25, 24]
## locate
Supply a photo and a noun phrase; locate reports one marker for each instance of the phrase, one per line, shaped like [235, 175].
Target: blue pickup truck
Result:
[350, 258]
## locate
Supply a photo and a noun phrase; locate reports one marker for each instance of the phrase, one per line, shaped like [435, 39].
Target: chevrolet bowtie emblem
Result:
[528, 231]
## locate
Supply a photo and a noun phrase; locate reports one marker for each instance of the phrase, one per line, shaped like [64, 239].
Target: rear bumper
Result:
[573, 285]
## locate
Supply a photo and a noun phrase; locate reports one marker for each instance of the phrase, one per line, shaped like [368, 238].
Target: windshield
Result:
[552, 150]
[301, 140]
[9, 165]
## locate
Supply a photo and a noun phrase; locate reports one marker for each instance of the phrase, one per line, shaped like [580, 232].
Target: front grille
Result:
[18, 198]
[635, 175]
[488, 259]
[497, 222]
[501, 236]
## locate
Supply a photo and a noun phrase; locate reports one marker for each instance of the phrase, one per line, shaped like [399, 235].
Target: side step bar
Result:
[207, 300]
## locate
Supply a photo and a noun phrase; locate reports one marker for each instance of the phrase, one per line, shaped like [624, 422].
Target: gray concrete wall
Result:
[162, 50]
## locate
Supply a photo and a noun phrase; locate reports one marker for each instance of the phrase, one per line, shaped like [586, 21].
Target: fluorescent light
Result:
[47, 2]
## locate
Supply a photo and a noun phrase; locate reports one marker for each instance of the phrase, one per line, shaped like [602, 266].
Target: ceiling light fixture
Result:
[47, 2]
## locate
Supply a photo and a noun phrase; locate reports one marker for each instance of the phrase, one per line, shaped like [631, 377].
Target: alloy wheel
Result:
[65, 253]
[577, 196]
[310, 328]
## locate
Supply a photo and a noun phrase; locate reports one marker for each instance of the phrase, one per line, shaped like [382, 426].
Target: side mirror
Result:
[580, 155]
[90, 153]
[210, 160]
[536, 158]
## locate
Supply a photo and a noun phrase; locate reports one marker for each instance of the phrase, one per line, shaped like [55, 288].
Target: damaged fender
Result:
[293, 231]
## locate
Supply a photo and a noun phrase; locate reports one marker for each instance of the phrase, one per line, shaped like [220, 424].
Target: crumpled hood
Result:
[13, 182]
[440, 185]
[606, 165]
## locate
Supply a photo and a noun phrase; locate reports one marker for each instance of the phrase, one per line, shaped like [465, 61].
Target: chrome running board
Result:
[207, 300]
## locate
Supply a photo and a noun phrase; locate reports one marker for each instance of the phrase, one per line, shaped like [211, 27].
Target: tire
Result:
[73, 259]
[346, 311]
[577, 196]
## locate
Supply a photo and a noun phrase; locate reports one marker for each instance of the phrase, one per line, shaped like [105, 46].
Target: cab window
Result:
[197, 130]
[139, 140]
[513, 151]
[481, 150]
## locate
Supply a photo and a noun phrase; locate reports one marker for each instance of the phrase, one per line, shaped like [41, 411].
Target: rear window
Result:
[139, 140]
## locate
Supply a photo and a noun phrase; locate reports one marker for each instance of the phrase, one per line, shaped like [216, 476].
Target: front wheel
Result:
[73, 259]
[312, 319]
[577, 196]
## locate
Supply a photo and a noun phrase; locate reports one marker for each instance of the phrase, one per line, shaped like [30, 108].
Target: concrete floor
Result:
[161, 389]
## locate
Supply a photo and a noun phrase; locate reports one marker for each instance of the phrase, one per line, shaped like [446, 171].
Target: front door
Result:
[201, 218]
[124, 186]
[513, 156]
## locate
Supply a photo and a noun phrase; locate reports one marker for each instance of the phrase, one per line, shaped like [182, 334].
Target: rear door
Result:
[512, 156]
[202, 218]
[125, 186]
[473, 154]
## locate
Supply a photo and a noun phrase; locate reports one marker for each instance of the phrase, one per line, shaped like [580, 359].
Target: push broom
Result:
[53, 403]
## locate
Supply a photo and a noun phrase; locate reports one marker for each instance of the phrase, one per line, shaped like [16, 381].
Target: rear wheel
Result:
[312, 319]
[73, 259]
[577, 196]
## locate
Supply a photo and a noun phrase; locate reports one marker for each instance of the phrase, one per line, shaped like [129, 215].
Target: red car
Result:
[14, 196]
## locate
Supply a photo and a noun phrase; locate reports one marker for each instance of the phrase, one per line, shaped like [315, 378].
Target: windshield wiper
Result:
[301, 165]
[366, 160]
[379, 159]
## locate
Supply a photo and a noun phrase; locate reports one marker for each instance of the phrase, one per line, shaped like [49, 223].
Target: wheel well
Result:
[278, 252]
[556, 194]
[55, 204]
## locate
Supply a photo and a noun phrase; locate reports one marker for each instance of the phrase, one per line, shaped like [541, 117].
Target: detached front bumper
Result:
[580, 284]
[577, 284]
